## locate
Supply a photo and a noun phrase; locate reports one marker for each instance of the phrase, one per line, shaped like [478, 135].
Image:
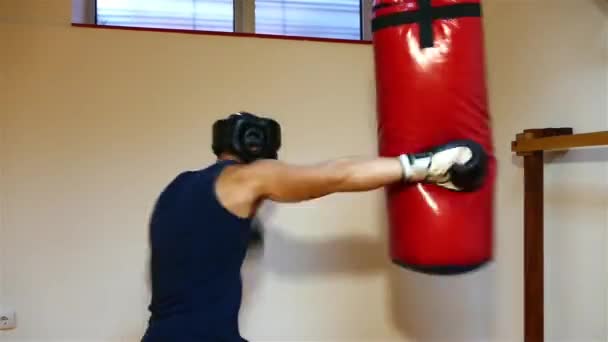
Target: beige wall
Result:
[548, 69]
[97, 121]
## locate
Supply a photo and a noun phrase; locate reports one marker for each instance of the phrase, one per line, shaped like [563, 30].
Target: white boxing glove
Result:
[459, 166]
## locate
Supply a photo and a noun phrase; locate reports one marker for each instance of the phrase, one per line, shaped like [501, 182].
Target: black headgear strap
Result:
[247, 136]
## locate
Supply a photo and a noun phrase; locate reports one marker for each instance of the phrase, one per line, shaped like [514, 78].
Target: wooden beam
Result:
[533, 248]
[534, 271]
[531, 144]
[558, 139]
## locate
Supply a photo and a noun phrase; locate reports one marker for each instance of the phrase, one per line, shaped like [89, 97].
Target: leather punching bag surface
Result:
[431, 89]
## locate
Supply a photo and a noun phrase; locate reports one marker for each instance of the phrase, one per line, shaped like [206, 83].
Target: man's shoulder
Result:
[183, 176]
[206, 173]
[183, 180]
[194, 173]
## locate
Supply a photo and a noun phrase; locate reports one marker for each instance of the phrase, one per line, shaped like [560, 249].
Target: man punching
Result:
[201, 225]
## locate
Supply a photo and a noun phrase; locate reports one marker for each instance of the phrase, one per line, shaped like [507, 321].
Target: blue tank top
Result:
[197, 250]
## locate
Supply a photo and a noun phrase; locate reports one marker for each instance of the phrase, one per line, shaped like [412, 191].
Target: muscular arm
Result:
[458, 166]
[282, 182]
[241, 188]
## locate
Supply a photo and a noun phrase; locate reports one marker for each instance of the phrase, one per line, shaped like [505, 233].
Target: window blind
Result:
[311, 18]
[210, 15]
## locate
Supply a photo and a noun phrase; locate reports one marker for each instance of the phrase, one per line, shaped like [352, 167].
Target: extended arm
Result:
[458, 166]
[282, 182]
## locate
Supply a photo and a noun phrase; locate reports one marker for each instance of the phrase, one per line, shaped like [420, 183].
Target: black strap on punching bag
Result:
[424, 16]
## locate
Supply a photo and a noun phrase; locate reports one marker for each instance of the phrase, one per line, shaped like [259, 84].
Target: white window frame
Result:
[85, 12]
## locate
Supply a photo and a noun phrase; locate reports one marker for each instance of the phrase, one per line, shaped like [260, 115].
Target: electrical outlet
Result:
[7, 319]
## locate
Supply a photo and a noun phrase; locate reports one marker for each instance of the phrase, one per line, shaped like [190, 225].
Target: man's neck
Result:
[228, 157]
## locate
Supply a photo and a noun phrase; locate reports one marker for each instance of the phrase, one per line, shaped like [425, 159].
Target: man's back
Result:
[198, 248]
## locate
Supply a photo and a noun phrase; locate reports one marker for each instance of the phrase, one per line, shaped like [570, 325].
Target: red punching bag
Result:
[431, 90]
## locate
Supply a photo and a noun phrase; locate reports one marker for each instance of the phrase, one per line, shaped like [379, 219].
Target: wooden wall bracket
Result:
[531, 144]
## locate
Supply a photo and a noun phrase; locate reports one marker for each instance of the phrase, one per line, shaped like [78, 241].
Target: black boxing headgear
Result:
[247, 136]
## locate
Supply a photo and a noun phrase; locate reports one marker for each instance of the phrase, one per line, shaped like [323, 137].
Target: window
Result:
[208, 15]
[339, 19]
[312, 18]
